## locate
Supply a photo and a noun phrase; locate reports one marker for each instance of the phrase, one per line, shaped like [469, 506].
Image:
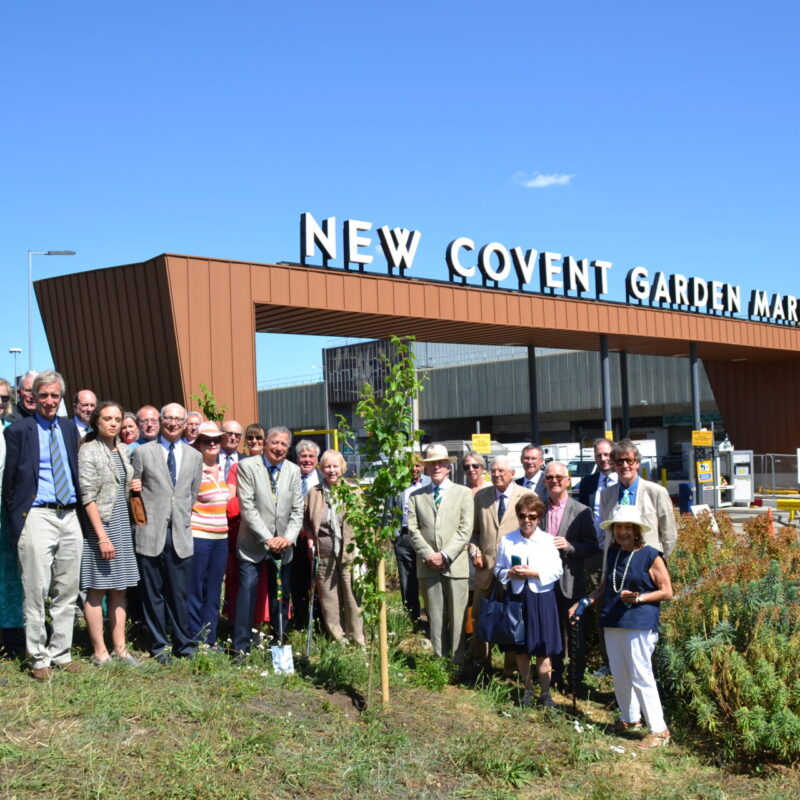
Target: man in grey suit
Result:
[571, 526]
[532, 460]
[652, 500]
[439, 527]
[170, 471]
[271, 502]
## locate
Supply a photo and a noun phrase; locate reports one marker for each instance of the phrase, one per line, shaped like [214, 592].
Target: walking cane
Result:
[314, 568]
[573, 660]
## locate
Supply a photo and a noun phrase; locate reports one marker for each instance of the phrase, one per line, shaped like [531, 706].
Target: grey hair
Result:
[31, 373]
[165, 407]
[279, 429]
[626, 446]
[306, 444]
[46, 378]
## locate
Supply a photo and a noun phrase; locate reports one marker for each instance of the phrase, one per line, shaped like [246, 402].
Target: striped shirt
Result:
[209, 520]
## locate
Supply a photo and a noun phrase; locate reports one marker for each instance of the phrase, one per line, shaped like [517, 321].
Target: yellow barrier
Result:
[792, 506]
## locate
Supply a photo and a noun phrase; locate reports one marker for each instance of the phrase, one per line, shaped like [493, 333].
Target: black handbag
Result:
[501, 621]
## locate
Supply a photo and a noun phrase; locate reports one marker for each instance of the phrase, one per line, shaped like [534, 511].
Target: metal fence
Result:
[775, 473]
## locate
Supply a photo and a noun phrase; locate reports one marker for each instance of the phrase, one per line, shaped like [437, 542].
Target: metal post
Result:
[605, 385]
[623, 383]
[695, 374]
[533, 394]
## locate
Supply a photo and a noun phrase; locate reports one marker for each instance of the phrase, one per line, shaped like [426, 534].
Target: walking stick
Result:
[314, 568]
[573, 659]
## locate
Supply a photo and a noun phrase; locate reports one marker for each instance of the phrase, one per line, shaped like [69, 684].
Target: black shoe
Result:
[239, 660]
[164, 658]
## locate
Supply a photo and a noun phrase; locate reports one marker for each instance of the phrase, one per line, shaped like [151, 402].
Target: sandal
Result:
[654, 740]
[624, 727]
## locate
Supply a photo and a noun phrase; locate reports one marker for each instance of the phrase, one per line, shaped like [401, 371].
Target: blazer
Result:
[588, 488]
[655, 508]
[316, 514]
[540, 487]
[99, 477]
[166, 504]
[21, 473]
[577, 527]
[487, 530]
[262, 518]
[445, 531]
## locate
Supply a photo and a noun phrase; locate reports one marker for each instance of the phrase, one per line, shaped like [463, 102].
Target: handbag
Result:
[138, 511]
[500, 621]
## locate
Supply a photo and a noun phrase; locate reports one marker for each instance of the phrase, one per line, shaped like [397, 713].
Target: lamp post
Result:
[31, 254]
[15, 351]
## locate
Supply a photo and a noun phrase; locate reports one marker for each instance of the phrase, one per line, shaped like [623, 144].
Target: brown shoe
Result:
[69, 666]
[654, 740]
[41, 674]
[623, 727]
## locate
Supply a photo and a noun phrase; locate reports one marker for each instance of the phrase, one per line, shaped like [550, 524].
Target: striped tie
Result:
[171, 465]
[273, 482]
[437, 497]
[228, 462]
[60, 480]
[304, 478]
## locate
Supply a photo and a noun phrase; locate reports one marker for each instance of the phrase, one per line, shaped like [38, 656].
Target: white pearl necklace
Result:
[616, 589]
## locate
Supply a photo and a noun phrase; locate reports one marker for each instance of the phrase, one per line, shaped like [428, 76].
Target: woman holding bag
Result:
[529, 561]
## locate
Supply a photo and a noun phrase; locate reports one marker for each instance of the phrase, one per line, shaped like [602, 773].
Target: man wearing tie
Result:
[591, 488]
[41, 494]
[652, 500]
[307, 454]
[271, 502]
[170, 471]
[83, 404]
[439, 526]
[495, 515]
[231, 439]
[532, 462]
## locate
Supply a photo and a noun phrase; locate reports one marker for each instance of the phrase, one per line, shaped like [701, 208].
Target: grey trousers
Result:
[446, 603]
[49, 551]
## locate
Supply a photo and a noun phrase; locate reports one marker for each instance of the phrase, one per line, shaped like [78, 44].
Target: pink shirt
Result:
[555, 513]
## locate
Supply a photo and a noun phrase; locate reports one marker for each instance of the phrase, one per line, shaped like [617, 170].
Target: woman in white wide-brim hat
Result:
[635, 582]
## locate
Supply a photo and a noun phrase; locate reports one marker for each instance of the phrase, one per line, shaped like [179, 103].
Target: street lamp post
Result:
[31, 254]
[15, 351]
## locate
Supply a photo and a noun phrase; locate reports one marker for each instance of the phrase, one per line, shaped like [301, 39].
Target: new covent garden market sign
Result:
[545, 272]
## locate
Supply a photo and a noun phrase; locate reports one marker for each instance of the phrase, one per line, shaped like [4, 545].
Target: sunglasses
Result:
[5, 397]
[529, 517]
[472, 466]
[628, 461]
[207, 441]
[253, 437]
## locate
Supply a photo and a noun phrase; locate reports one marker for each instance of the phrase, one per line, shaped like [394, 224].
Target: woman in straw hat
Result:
[635, 582]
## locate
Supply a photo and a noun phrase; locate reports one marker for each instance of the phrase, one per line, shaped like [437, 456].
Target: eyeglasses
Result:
[232, 435]
[472, 466]
[170, 419]
[628, 461]
[558, 478]
[530, 517]
[252, 437]
[5, 398]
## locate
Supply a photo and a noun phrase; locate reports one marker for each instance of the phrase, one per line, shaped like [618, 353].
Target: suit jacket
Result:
[166, 504]
[577, 527]
[262, 518]
[487, 530]
[21, 474]
[540, 487]
[317, 512]
[99, 477]
[655, 508]
[588, 487]
[445, 531]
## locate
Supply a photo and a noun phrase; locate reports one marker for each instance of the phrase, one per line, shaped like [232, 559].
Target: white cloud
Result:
[540, 181]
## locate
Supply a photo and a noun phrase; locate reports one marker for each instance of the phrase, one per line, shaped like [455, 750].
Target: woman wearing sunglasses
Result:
[474, 471]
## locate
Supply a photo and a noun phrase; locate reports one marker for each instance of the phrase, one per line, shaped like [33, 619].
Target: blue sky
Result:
[207, 128]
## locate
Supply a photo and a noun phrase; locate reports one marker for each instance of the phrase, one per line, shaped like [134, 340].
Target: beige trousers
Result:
[446, 605]
[340, 610]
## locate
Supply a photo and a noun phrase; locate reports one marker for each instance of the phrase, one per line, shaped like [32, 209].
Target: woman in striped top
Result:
[210, 533]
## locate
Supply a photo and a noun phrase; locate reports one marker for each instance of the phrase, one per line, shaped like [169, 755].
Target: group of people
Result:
[158, 510]
[546, 548]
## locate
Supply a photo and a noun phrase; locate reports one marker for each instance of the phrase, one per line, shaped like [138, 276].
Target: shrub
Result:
[731, 636]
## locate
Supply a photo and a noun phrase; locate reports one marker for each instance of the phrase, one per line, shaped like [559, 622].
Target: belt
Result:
[58, 506]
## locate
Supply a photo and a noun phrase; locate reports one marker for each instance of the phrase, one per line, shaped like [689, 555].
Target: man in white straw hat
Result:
[439, 526]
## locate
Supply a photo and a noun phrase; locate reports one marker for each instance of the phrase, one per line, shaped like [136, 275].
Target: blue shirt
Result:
[46, 492]
[632, 489]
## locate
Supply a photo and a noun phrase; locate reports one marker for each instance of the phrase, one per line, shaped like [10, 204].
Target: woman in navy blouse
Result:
[635, 582]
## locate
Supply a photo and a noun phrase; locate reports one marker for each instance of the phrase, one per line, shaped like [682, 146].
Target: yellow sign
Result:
[704, 472]
[610, 436]
[702, 438]
[482, 442]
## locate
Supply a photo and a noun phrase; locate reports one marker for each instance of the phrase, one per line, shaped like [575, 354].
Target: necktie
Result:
[171, 466]
[60, 481]
[228, 462]
[437, 497]
[626, 497]
[304, 478]
[501, 507]
[528, 483]
[273, 481]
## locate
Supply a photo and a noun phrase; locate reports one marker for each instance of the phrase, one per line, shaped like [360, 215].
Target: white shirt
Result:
[538, 552]
[165, 443]
[424, 480]
[605, 481]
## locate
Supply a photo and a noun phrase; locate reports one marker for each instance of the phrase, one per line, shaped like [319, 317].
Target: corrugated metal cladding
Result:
[566, 383]
[293, 406]
[151, 332]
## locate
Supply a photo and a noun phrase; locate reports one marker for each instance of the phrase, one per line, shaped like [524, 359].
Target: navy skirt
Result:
[542, 631]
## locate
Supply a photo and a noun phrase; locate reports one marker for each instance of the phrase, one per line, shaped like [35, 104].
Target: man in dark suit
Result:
[532, 462]
[42, 499]
[271, 502]
[170, 471]
[570, 524]
[26, 402]
[83, 404]
[229, 453]
[591, 488]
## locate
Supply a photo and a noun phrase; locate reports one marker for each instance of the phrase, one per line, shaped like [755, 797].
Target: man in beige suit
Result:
[495, 515]
[439, 527]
